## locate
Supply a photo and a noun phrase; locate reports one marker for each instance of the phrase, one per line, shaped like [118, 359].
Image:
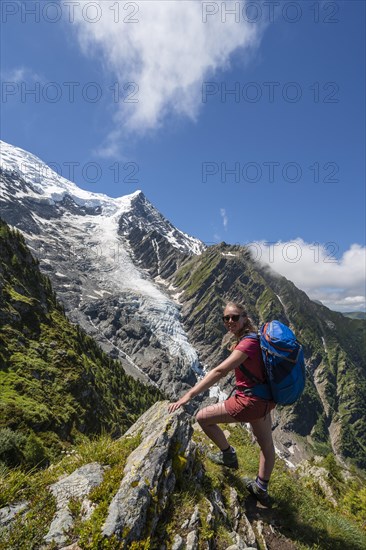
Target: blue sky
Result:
[281, 160]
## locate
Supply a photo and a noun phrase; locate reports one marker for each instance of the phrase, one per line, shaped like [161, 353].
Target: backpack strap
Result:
[249, 375]
[261, 389]
[244, 370]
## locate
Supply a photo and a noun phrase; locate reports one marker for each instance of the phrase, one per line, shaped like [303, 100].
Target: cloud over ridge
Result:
[339, 283]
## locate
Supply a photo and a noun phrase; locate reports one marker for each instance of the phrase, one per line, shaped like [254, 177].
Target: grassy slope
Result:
[300, 513]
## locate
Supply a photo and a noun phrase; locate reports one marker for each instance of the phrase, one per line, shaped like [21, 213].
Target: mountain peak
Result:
[47, 184]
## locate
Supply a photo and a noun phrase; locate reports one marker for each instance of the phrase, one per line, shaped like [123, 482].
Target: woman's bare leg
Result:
[262, 429]
[209, 417]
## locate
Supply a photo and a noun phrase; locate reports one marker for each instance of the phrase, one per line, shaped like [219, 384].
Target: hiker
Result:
[239, 407]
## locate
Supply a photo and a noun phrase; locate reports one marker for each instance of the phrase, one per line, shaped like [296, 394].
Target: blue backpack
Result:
[284, 364]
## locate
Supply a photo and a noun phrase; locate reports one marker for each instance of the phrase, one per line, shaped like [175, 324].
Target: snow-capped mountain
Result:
[102, 255]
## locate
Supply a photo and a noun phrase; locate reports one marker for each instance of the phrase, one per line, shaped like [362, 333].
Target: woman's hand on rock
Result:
[182, 401]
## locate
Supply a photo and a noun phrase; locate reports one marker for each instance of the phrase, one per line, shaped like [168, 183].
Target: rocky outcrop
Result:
[150, 473]
[318, 475]
[9, 513]
[165, 453]
[161, 495]
[165, 456]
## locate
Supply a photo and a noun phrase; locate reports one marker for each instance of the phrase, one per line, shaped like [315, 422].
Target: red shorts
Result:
[244, 408]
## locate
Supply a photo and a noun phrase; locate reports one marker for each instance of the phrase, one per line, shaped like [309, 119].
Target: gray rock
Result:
[320, 475]
[210, 518]
[61, 523]
[239, 543]
[243, 534]
[218, 505]
[148, 474]
[77, 485]
[87, 508]
[190, 453]
[195, 519]
[9, 513]
[247, 532]
[259, 527]
[177, 543]
[235, 508]
[192, 541]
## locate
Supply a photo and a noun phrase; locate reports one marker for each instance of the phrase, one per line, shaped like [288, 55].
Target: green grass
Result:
[15, 485]
[300, 511]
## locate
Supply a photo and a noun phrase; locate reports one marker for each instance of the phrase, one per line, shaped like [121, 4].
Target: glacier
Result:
[89, 241]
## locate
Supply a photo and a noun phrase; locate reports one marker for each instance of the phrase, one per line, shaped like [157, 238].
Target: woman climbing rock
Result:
[241, 407]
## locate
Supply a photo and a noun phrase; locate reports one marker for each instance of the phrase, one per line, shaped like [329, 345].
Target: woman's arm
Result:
[234, 360]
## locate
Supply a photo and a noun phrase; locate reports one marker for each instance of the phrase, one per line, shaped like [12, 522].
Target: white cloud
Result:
[18, 75]
[224, 218]
[339, 283]
[168, 53]
[15, 75]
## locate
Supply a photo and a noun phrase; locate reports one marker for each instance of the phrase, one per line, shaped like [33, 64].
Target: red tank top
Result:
[254, 363]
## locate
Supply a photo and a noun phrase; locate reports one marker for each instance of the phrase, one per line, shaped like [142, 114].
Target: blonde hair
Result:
[249, 326]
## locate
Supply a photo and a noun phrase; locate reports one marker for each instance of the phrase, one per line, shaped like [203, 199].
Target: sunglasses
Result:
[227, 318]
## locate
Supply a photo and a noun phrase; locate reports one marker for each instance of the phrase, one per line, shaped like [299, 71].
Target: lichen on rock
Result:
[148, 475]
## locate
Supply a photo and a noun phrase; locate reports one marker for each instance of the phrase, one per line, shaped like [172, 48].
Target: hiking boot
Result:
[260, 494]
[228, 459]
